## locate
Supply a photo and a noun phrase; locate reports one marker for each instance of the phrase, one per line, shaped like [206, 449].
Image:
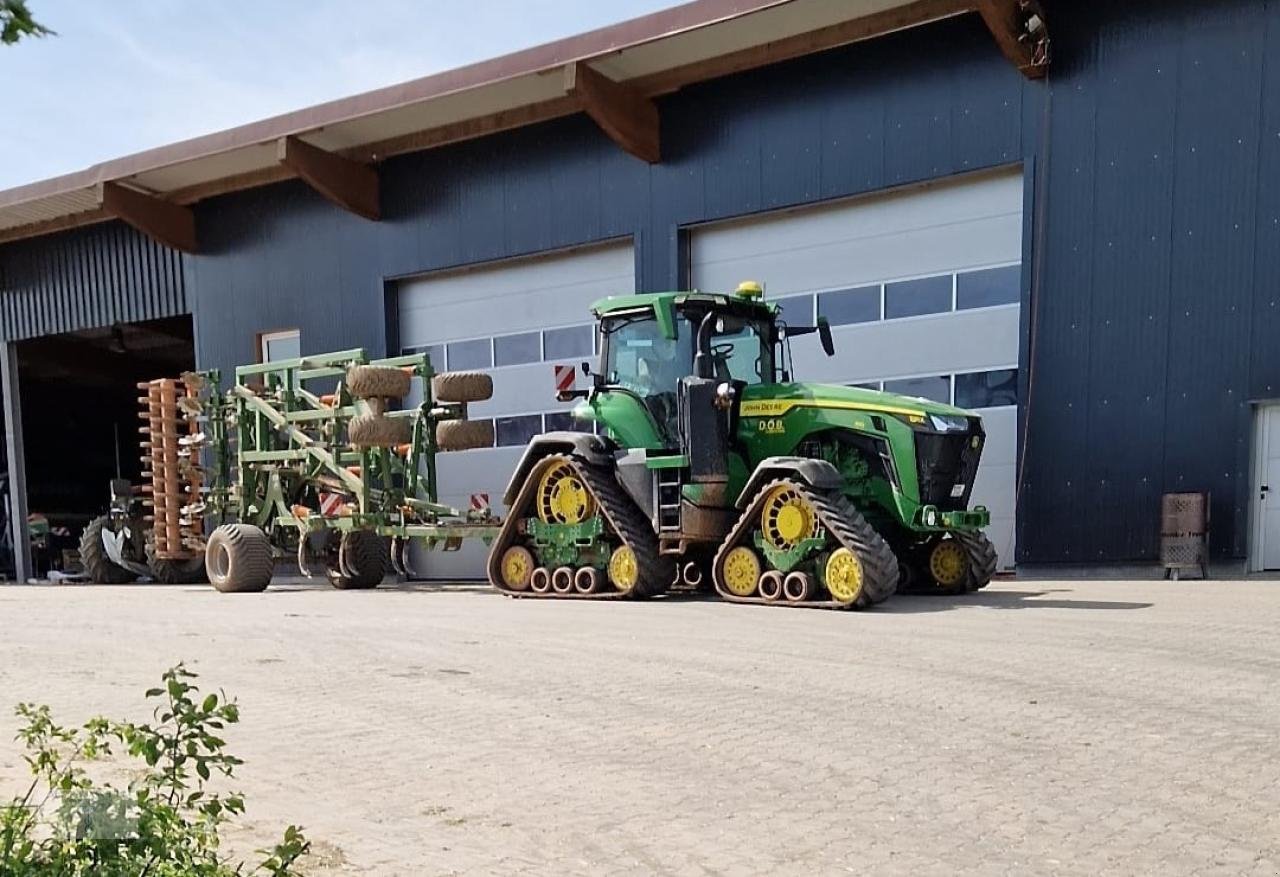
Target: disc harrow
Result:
[853, 569]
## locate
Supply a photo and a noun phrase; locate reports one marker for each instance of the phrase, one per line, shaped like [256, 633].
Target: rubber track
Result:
[844, 522]
[982, 559]
[627, 522]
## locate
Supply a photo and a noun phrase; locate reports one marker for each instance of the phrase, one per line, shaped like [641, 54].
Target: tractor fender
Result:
[816, 473]
[590, 447]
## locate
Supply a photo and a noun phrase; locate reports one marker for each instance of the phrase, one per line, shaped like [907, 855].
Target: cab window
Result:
[743, 352]
[641, 359]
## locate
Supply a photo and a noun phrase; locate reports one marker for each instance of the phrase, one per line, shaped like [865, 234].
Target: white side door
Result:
[1267, 493]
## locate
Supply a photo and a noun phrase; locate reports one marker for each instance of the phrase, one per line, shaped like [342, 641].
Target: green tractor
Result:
[716, 466]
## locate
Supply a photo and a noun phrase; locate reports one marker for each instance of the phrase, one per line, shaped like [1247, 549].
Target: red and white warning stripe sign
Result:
[331, 504]
[480, 501]
[565, 375]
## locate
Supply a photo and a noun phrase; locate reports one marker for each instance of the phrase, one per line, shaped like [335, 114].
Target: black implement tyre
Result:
[93, 555]
[366, 557]
[464, 435]
[983, 559]
[375, 431]
[461, 387]
[377, 382]
[238, 559]
[176, 572]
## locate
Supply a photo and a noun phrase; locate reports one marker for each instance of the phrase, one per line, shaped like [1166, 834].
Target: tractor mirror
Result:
[824, 334]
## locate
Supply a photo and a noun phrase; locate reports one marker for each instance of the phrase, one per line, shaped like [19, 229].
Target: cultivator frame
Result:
[278, 456]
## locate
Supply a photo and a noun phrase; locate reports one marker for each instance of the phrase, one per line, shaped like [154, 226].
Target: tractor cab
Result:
[651, 343]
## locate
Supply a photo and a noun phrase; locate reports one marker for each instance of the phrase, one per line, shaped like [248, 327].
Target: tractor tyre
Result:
[880, 564]
[377, 382]
[462, 387]
[366, 557]
[376, 431]
[93, 556]
[464, 435]
[238, 559]
[983, 560]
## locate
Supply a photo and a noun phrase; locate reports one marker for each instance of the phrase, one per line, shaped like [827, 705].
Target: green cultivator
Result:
[303, 458]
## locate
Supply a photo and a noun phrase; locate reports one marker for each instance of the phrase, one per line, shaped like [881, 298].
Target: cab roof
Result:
[663, 300]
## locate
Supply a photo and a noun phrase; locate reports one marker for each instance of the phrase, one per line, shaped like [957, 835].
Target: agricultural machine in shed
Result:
[303, 458]
[718, 467]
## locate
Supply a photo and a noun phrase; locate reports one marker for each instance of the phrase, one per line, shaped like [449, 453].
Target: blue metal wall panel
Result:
[87, 278]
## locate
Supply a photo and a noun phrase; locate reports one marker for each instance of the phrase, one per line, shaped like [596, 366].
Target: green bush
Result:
[165, 823]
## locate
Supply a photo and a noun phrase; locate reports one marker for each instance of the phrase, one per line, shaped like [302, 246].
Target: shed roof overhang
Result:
[613, 74]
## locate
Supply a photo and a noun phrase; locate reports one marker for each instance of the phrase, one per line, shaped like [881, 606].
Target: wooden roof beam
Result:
[171, 224]
[628, 116]
[349, 184]
[1021, 31]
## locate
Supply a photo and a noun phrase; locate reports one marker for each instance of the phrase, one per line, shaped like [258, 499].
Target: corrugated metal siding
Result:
[84, 278]
[1162, 215]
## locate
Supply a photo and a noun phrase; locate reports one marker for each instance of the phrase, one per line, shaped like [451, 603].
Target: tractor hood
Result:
[774, 400]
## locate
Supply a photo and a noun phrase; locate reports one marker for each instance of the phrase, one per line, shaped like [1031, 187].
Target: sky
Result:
[128, 75]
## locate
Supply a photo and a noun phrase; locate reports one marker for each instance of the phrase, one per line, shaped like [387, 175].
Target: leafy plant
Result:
[16, 22]
[165, 823]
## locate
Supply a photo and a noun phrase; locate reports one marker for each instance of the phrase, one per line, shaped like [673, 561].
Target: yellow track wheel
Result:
[948, 563]
[786, 518]
[624, 569]
[562, 497]
[741, 571]
[844, 575]
[517, 567]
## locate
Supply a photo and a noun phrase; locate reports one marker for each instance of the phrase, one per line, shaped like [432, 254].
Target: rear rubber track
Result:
[845, 524]
[625, 520]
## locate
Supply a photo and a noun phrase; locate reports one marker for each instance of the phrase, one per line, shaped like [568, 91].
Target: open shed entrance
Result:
[80, 420]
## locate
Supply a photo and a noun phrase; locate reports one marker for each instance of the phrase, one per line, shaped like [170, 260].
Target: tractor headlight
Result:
[931, 518]
[948, 423]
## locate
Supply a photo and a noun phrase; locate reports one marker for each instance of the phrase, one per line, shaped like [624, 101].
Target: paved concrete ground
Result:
[1081, 728]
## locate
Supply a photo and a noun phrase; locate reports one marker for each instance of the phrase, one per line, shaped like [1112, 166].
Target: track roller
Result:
[797, 587]
[562, 580]
[770, 586]
[587, 580]
[540, 580]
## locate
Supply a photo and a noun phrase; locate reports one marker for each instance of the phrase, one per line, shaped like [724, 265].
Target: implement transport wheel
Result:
[741, 570]
[624, 569]
[464, 435]
[949, 566]
[238, 559]
[93, 555]
[517, 567]
[377, 382]
[462, 387]
[983, 559]
[361, 563]
[375, 431]
[562, 496]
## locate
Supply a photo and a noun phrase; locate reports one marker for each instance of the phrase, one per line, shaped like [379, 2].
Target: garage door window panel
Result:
[568, 343]
[517, 431]
[434, 352]
[848, 306]
[796, 310]
[987, 389]
[935, 389]
[989, 288]
[475, 354]
[564, 421]
[915, 298]
[517, 349]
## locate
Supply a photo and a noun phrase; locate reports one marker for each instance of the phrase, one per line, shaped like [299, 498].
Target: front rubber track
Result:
[845, 524]
[626, 523]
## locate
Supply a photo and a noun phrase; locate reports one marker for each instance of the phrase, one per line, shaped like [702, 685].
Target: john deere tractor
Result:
[716, 465]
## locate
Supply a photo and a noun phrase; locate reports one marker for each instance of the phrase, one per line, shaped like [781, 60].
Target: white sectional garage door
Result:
[516, 320]
[922, 290]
